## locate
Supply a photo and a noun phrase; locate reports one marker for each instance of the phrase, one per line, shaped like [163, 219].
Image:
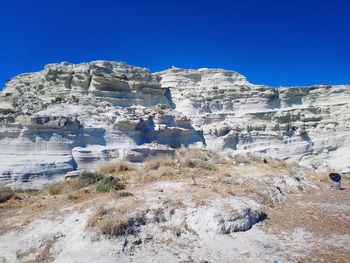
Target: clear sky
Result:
[275, 42]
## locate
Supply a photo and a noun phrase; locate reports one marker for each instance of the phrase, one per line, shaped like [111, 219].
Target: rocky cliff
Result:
[306, 124]
[76, 116]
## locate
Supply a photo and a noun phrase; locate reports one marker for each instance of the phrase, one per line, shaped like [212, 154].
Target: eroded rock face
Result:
[70, 116]
[305, 124]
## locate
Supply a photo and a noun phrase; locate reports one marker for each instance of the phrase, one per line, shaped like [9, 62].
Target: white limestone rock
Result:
[69, 117]
[304, 124]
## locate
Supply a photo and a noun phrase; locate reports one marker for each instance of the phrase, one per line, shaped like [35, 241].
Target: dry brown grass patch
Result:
[320, 176]
[112, 222]
[160, 161]
[56, 188]
[117, 168]
[106, 222]
[160, 174]
[83, 180]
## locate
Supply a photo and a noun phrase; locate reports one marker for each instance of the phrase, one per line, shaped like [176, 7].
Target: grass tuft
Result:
[84, 179]
[56, 188]
[113, 223]
[109, 183]
[5, 194]
[116, 168]
[160, 161]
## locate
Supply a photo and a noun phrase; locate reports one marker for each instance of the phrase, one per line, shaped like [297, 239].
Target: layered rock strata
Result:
[69, 117]
[305, 124]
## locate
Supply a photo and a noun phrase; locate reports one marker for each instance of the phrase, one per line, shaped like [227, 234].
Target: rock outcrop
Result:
[70, 116]
[305, 124]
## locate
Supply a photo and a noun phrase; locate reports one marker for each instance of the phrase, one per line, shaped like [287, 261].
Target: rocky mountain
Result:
[69, 117]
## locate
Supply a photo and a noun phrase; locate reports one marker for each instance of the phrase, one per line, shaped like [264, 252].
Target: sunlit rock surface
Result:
[306, 124]
[69, 117]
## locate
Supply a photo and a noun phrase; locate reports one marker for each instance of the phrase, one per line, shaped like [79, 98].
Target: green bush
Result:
[109, 183]
[84, 179]
[5, 194]
[6, 111]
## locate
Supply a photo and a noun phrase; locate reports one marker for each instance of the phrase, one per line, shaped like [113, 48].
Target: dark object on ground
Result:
[335, 177]
[264, 160]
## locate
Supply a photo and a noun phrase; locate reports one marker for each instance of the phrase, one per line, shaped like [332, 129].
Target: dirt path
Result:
[324, 219]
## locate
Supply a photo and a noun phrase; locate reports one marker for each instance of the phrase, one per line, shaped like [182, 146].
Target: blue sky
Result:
[275, 42]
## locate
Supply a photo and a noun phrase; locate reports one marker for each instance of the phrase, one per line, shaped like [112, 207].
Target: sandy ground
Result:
[322, 221]
[307, 227]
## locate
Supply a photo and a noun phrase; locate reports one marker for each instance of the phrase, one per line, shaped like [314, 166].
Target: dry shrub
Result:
[320, 176]
[112, 222]
[83, 180]
[199, 163]
[56, 188]
[186, 153]
[5, 194]
[160, 174]
[124, 194]
[198, 158]
[247, 159]
[174, 203]
[226, 179]
[116, 168]
[160, 161]
[106, 222]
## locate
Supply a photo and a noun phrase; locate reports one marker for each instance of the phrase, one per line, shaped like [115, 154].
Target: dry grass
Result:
[199, 163]
[199, 159]
[186, 163]
[114, 169]
[112, 222]
[5, 194]
[199, 154]
[160, 161]
[211, 174]
[106, 222]
[162, 173]
[83, 180]
[56, 188]
[321, 176]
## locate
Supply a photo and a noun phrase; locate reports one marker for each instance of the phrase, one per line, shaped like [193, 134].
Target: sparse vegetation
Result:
[57, 99]
[163, 107]
[82, 180]
[7, 111]
[96, 217]
[113, 222]
[56, 188]
[198, 163]
[124, 194]
[5, 194]
[115, 169]
[320, 176]
[109, 183]
[160, 161]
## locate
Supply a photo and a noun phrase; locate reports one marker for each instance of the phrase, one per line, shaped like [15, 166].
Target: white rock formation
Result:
[305, 124]
[77, 116]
